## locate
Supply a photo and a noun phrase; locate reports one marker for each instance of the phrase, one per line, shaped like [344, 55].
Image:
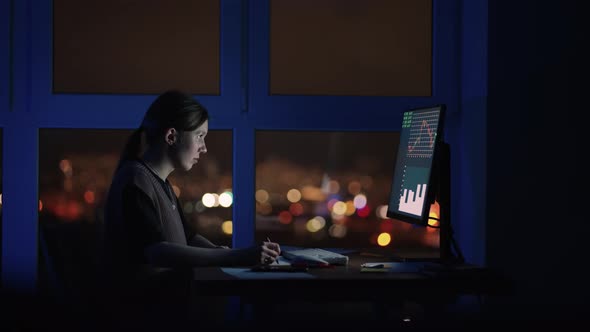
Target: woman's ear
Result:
[171, 136]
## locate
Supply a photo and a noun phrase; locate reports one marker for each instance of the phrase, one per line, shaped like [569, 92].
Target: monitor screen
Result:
[412, 190]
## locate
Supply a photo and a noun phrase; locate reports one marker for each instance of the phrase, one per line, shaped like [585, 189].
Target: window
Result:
[241, 77]
[74, 180]
[359, 47]
[136, 46]
[330, 189]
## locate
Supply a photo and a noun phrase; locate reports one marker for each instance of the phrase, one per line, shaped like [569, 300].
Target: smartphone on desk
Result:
[278, 268]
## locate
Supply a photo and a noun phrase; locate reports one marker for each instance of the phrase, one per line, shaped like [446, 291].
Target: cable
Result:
[454, 243]
[432, 226]
[460, 256]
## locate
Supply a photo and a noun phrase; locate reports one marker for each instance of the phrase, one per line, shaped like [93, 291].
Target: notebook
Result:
[317, 253]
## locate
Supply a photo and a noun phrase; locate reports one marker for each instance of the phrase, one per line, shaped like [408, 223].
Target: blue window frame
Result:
[243, 106]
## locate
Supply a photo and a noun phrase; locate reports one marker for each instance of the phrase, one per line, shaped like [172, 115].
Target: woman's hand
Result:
[270, 252]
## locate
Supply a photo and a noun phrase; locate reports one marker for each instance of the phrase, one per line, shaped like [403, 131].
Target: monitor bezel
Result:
[431, 188]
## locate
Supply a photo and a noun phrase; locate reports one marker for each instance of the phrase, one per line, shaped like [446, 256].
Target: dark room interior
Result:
[306, 100]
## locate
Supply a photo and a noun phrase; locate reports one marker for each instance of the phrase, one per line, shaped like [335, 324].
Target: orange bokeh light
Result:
[434, 213]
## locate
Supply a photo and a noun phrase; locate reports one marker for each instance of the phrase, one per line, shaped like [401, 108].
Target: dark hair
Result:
[172, 109]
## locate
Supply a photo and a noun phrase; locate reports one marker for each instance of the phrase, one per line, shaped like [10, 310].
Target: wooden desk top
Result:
[349, 282]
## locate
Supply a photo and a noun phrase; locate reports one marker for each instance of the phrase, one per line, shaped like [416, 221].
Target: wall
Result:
[537, 223]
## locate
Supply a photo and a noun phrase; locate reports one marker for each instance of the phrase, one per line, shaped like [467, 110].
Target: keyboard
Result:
[323, 254]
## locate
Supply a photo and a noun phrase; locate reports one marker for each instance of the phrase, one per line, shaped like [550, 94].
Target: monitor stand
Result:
[450, 253]
[441, 181]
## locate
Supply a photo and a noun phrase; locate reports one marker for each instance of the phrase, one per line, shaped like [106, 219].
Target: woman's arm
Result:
[194, 239]
[200, 241]
[167, 254]
[146, 228]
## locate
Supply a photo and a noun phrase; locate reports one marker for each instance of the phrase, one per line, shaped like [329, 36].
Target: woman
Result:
[146, 235]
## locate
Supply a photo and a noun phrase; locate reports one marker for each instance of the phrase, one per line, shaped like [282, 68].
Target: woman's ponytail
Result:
[132, 147]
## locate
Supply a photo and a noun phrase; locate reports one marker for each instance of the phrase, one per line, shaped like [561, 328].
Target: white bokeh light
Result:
[226, 199]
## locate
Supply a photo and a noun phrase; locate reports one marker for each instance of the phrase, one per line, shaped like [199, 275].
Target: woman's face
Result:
[190, 147]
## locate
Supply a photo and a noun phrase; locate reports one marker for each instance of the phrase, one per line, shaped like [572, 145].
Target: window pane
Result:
[75, 171]
[331, 189]
[113, 46]
[352, 47]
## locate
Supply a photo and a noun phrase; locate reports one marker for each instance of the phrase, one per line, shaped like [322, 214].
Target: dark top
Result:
[144, 229]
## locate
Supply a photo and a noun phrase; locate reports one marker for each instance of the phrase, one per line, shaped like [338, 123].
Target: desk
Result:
[347, 283]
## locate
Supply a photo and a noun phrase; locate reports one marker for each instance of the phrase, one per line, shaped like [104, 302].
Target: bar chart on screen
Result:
[413, 190]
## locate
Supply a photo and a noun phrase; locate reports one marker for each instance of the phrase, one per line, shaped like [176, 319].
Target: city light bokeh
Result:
[331, 189]
[317, 189]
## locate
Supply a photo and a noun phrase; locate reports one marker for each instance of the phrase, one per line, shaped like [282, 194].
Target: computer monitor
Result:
[422, 174]
[412, 190]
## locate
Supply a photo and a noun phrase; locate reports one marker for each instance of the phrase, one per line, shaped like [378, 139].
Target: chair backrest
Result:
[68, 254]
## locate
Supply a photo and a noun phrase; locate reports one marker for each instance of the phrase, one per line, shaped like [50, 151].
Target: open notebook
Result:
[314, 255]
